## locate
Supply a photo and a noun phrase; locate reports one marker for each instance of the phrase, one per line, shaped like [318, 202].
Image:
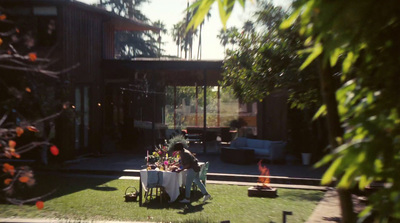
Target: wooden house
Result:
[74, 34]
[117, 101]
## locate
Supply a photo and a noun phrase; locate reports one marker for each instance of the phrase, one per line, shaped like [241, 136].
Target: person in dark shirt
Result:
[190, 163]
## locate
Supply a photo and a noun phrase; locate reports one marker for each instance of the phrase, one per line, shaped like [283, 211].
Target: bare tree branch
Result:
[12, 182]
[8, 33]
[9, 57]
[49, 73]
[4, 118]
[47, 118]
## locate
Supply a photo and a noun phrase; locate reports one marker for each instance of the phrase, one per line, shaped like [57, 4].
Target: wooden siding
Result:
[108, 41]
[81, 43]
[81, 40]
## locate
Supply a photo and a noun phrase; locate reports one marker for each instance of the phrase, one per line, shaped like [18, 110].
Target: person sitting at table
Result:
[190, 163]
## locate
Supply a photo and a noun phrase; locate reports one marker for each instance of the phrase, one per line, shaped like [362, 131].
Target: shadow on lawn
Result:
[50, 186]
[292, 195]
[104, 188]
[195, 206]
[65, 185]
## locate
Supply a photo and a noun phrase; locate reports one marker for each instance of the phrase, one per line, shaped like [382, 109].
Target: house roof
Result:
[119, 22]
[173, 72]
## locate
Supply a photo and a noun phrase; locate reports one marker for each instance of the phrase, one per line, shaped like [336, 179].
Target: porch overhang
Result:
[173, 72]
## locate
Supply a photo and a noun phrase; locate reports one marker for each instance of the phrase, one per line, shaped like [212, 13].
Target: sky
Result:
[172, 11]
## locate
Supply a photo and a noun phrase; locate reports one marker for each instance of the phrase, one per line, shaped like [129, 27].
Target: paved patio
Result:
[127, 160]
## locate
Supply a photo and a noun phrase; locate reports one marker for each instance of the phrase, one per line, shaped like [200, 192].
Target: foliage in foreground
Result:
[102, 199]
[361, 37]
[27, 115]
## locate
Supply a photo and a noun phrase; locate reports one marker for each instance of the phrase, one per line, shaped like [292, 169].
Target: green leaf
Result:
[202, 9]
[364, 182]
[335, 56]
[317, 50]
[308, 41]
[347, 178]
[329, 174]
[222, 13]
[378, 165]
[370, 97]
[367, 211]
[242, 3]
[225, 9]
[326, 159]
[289, 21]
[321, 111]
[348, 62]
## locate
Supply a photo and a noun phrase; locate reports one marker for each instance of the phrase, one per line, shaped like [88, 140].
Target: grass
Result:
[102, 199]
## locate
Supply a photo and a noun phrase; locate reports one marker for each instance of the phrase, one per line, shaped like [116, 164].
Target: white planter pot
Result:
[306, 158]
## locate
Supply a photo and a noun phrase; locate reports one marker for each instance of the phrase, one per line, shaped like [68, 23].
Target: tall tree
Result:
[267, 60]
[130, 44]
[248, 27]
[126, 8]
[233, 36]
[200, 46]
[184, 39]
[223, 38]
[367, 101]
[178, 33]
[361, 37]
[157, 35]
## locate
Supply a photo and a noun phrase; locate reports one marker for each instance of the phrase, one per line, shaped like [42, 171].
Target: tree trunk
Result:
[328, 95]
[200, 47]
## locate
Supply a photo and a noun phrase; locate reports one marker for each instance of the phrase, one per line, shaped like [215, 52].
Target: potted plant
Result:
[307, 147]
[174, 140]
[306, 158]
[237, 124]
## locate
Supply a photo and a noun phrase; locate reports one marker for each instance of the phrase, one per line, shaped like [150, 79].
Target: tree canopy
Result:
[361, 37]
[267, 60]
[130, 44]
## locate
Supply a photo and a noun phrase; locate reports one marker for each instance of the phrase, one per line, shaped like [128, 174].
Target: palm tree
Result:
[223, 38]
[248, 27]
[200, 32]
[228, 36]
[126, 8]
[233, 32]
[163, 30]
[176, 37]
[179, 36]
[130, 44]
[183, 39]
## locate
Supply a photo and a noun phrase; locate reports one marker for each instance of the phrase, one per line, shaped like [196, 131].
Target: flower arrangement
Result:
[160, 159]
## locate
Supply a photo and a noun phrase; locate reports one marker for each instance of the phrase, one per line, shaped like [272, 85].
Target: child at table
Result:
[190, 163]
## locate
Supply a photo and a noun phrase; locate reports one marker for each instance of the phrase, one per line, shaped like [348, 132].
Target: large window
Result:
[82, 117]
[185, 107]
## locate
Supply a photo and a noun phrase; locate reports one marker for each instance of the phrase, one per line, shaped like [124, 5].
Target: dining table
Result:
[169, 180]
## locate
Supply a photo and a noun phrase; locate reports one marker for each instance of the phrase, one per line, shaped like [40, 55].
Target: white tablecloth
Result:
[171, 181]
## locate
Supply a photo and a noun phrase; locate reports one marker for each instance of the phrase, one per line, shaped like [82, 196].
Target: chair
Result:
[202, 175]
[226, 135]
[154, 180]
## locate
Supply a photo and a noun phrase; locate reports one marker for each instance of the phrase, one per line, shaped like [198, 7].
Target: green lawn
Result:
[102, 199]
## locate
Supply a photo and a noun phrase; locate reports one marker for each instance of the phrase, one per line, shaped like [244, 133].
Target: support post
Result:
[205, 112]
